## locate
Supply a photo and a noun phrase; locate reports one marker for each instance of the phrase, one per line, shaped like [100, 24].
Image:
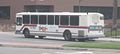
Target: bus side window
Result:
[42, 19]
[74, 20]
[26, 19]
[34, 19]
[56, 20]
[64, 20]
[50, 19]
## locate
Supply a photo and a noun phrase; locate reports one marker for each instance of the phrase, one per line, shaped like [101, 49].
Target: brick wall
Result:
[7, 27]
[109, 22]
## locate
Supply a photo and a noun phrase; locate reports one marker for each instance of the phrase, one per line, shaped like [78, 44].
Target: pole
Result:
[79, 6]
[114, 25]
[36, 6]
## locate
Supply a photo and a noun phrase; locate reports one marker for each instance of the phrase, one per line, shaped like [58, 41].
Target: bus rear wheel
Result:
[67, 35]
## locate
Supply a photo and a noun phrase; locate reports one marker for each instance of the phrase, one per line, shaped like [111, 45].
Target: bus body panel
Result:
[90, 25]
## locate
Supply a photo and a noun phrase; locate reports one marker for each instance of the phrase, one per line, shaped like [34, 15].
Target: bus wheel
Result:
[67, 35]
[31, 36]
[83, 39]
[27, 33]
[41, 37]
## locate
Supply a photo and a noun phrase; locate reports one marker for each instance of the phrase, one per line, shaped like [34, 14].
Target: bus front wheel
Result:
[41, 37]
[27, 34]
[67, 35]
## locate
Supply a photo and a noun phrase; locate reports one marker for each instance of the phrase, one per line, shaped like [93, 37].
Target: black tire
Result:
[26, 33]
[82, 40]
[31, 36]
[67, 35]
[41, 37]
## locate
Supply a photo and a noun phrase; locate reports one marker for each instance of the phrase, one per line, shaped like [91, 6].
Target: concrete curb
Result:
[40, 46]
[108, 39]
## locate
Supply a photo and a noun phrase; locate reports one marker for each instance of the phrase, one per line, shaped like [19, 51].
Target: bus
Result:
[69, 25]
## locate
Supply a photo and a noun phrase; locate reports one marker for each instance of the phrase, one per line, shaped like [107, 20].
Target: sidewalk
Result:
[42, 46]
[8, 33]
[31, 45]
[50, 46]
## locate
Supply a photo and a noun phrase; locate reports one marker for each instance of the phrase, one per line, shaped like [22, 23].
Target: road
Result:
[11, 37]
[11, 50]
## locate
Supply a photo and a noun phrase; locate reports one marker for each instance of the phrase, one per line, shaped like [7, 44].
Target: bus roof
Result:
[55, 13]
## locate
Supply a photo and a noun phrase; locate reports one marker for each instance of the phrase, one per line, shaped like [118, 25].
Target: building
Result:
[9, 8]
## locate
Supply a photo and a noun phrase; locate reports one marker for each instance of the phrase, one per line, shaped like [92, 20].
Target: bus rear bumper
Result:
[89, 36]
[96, 36]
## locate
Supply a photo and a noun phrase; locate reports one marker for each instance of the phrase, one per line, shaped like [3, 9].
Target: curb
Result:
[108, 39]
[42, 47]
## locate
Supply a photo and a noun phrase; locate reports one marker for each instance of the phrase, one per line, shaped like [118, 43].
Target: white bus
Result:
[69, 25]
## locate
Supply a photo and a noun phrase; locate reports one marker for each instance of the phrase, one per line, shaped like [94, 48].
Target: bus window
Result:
[74, 20]
[42, 19]
[101, 17]
[50, 19]
[34, 19]
[19, 21]
[56, 20]
[26, 19]
[64, 20]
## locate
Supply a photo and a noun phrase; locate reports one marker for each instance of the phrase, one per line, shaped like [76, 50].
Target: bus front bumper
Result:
[18, 32]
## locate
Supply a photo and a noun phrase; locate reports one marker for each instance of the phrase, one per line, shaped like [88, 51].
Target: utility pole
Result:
[114, 25]
[36, 6]
[79, 5]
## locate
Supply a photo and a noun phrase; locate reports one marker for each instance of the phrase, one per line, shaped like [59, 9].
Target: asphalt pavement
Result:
[9, 39]
[11, 50]
[15, 50]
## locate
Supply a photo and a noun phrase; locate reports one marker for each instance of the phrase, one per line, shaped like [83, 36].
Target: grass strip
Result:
[103, 45]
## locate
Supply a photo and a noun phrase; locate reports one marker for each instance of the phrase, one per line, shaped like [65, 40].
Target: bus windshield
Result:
[19, 21]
